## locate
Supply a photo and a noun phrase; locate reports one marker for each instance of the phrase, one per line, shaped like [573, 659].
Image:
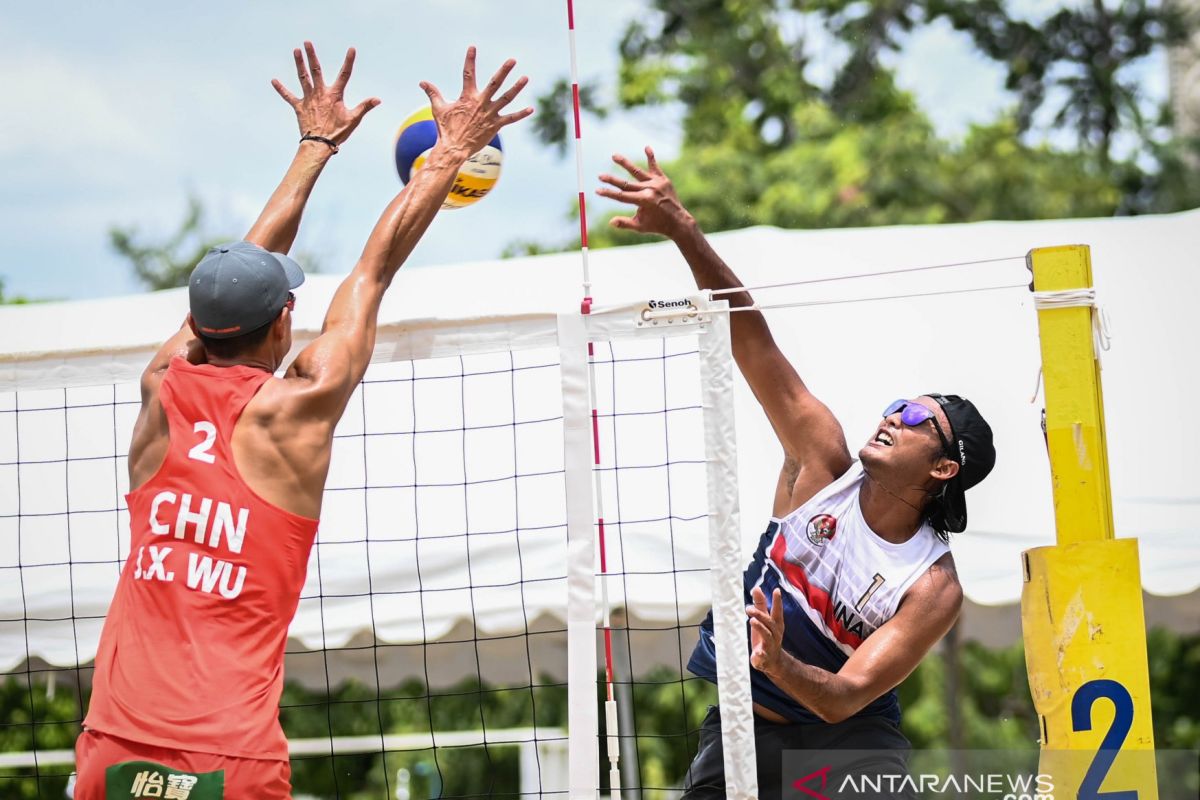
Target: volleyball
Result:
[416, 138]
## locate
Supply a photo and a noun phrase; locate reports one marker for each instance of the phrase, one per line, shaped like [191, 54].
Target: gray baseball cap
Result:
[239, 287]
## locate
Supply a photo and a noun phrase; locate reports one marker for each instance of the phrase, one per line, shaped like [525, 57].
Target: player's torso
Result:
[283, 456]
[841, 581]
[193, 643]
[199, 501]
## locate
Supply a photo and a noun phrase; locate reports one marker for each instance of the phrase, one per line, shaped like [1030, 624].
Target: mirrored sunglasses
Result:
[913, 414]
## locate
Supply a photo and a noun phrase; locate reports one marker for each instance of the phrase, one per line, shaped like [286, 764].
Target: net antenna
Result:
[611, 726]
[726, 598]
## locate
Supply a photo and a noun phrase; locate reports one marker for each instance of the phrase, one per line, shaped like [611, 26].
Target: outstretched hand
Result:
[658, 207]
[766, 630]
[474, 119]
[321, 110]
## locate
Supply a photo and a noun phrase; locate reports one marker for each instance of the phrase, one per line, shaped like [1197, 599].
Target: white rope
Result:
[736, 289]
[806, 303]
[1079, 298]
[1075, 298]
[691, 310]
[1066, 298]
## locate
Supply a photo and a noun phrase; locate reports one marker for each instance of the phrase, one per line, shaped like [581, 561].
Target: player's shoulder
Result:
[938, 590]
[813, 478]
[290, 400]
[274, 396]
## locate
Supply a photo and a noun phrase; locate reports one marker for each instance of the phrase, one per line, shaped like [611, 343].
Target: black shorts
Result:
[777, 769]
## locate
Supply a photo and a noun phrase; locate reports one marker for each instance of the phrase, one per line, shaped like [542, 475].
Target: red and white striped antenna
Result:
[583, 231]
[610, 703]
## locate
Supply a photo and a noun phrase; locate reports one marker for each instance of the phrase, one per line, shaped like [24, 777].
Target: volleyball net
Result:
[464, 607]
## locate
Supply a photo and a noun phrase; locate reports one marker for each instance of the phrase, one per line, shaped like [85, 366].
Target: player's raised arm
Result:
[322, 116]
[812, 439]
[325, 123]
[335, 362]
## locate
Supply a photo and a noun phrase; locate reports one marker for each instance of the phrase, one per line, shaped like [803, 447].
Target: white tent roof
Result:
[857, 356]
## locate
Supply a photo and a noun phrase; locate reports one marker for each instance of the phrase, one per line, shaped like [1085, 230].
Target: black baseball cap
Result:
[971, 443]
[238, 287]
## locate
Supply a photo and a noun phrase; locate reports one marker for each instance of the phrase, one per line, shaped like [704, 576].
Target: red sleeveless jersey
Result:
[191, 655]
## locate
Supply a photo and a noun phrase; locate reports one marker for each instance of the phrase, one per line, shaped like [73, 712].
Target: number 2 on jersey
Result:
[200, 451]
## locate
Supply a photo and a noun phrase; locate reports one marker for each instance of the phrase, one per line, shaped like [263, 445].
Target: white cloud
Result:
[67, 111]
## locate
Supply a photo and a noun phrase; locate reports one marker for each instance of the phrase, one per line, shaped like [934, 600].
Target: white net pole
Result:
[725, 552]
[581, 545]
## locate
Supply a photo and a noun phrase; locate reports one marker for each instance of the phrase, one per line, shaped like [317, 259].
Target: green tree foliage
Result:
[8, 299]
[855, 175]
[994, 707]
[666, 711]
[1174, 689]
[730, 64]
[166, 264]
[722, 60]
[557, 105]
[34, 717]
[1080, 55]
[765, 144]
[353, 710]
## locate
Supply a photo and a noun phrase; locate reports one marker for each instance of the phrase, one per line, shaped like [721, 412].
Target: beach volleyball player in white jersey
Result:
[853, 581]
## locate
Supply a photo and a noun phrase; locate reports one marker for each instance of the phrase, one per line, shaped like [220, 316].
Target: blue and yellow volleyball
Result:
[416, 138]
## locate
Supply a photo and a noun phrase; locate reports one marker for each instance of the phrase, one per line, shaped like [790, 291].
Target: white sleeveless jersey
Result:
[844, 579]
[839, 581]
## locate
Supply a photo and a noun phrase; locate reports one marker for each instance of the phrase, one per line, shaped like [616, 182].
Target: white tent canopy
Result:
[856, 356]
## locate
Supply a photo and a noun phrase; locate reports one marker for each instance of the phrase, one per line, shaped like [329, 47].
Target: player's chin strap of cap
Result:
[1076, 298]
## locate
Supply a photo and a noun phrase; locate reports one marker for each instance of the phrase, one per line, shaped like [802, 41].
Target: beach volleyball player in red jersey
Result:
[227, 468]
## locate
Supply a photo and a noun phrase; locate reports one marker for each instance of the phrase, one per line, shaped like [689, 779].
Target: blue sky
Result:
[116, 111]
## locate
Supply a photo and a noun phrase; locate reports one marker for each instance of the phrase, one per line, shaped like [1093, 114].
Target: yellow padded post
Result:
[1081, 604]
[1074, 401]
